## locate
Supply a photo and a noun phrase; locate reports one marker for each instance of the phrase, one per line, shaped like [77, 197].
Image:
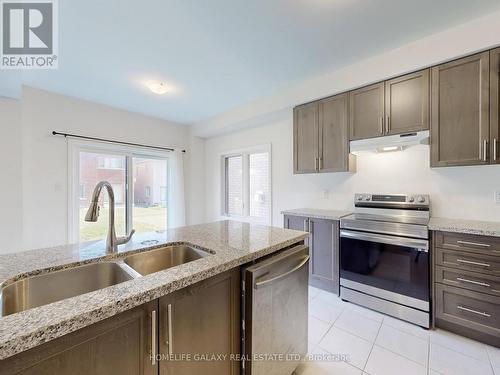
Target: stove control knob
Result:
[411, 199]
[367, 198]
[421, 199]
[360, 198]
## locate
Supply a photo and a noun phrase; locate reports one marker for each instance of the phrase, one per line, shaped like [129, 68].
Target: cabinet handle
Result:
[473, 311]
[495, 144]
[305, 226]
[153, 337]
[473, 243]
[485, 150]
[316, 160]
[381, 124]
[170, 340]
[472, 282]
[310, 226]
[473, 263]
[320, 163]
[387, 124]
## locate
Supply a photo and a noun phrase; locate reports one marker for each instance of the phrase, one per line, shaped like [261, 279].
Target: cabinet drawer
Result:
[468, 242]
[468, 280]
[468, 261]
[469, 309]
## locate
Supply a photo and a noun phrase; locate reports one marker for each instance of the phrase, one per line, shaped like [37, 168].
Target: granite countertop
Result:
[482, 228]
[232, 244]
[317, 213]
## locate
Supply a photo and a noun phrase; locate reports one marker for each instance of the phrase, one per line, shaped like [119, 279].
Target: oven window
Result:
[399, 269]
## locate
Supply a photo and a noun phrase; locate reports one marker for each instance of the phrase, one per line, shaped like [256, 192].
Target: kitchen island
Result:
[229, 244]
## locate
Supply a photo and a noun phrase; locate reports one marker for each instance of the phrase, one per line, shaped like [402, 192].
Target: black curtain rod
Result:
[111, 141]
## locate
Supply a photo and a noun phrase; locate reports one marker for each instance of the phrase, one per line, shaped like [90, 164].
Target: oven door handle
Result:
[420, 245]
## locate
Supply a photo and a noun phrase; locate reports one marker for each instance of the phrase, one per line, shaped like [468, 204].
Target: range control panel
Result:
[393, 199]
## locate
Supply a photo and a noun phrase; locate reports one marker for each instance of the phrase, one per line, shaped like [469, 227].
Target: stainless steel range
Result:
[384, 255]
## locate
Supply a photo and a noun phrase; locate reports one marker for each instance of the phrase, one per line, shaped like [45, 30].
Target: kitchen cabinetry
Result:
[320, 137]
[117, 345]
[202, 320]
[323, 245]
[460, 133]
[396, 106]
[366, 112]
[305, 138]
[466, 272]
[495, 106]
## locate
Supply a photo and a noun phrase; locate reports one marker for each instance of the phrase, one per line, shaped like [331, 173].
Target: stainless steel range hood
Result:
[390, 142]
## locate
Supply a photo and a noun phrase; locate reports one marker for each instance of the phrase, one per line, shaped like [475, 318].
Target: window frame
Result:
[245, 152]
[129, 152]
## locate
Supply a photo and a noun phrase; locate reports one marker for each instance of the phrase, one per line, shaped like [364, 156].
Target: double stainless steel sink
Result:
[54, 286]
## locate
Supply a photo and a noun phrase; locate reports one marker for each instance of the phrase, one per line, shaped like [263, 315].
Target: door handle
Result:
[495, 153]
[259, 284]
[169, 341]
[473, 263]
[474, 311]
[153, 337]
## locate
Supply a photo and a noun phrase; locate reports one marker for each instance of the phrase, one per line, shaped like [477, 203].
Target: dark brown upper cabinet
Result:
[366, 115]
[494, 105]
[396, 106]
[320, 137]
[407, 103]
[460, 132]
[305, 138]
[334, 135]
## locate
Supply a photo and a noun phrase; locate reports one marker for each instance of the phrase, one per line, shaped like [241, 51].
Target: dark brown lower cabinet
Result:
[201, 321]
[324, 246]
[201, 324]
[117, 345]
[466, 295]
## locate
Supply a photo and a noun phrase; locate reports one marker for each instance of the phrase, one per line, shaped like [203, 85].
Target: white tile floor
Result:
[376, 344]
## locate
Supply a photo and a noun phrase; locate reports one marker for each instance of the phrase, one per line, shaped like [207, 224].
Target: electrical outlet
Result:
[326, 194]
[497, 196]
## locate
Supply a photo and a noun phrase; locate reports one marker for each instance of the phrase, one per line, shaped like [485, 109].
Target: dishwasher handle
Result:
[259, 284]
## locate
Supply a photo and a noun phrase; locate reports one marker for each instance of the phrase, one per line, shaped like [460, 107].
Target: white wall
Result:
[43, 180]
[461, 192]
[11, 175]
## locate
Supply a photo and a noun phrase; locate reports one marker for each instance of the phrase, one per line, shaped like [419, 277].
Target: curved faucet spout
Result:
[112, 241]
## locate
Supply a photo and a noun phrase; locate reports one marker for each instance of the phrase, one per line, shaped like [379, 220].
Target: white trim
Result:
[245, 152]
[76, 146]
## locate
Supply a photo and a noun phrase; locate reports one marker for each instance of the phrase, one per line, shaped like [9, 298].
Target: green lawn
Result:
[145, 220]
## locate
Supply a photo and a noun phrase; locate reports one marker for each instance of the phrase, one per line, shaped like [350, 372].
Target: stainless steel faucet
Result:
[112, 241]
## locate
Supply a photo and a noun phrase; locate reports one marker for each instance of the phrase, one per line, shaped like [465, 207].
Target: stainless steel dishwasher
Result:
[274, 313]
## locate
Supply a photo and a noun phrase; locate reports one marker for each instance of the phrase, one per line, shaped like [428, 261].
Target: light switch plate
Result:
[497, 196]
[326, 194]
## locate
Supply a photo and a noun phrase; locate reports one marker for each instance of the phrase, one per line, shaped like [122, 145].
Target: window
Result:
[247, 184]
[139, 179]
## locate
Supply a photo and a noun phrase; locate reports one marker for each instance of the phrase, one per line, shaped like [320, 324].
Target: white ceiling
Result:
[219, 54]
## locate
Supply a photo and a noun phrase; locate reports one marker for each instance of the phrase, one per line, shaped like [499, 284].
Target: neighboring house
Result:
[149, 175]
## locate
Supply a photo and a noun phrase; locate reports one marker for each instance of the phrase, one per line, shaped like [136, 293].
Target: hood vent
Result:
[390, 143]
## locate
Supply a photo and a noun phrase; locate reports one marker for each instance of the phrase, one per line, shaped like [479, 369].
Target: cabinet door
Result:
[495, 106]
[324, 248]
[117, 345]
[305, 138]
[407, 103]
[333, 134]
[366, 113]
[460, 112]
[200, 321]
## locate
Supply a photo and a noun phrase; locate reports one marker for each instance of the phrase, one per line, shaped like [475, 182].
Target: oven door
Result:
[389, 267]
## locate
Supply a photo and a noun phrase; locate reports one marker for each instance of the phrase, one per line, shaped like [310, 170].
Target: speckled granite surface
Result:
[233, 244]
[483, 228]
[317, 213]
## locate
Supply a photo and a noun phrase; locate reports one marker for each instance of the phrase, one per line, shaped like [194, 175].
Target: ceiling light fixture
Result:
[157, 87]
